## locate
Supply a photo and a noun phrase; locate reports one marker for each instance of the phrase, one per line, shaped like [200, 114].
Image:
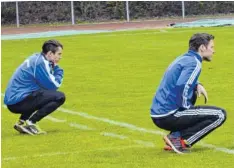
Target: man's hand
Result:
[56, 61]
[202, 90]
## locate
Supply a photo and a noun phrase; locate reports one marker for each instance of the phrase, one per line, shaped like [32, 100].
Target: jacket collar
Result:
[44, 56]
[194, 53]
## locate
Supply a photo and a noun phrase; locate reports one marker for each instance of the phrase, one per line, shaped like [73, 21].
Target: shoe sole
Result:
[23, 130]
[42, 132]
[172, 146]
[19, 130]
[167, 148]
[35, 132]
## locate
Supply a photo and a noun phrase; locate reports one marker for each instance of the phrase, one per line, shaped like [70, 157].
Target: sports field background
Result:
[110, 80]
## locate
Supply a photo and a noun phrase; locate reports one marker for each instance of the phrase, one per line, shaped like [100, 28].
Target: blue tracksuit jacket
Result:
[33, 74]
[177, 85]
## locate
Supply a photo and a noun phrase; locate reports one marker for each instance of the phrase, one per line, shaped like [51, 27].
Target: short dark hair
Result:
[51, 45]
[198, 39]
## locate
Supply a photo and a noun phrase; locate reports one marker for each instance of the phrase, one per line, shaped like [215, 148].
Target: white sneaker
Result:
[33, 128]
[20, 127]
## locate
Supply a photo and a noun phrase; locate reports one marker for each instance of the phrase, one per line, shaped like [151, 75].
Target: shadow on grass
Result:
[163, 152]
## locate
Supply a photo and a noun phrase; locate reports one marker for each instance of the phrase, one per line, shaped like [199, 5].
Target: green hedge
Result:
[51, 11]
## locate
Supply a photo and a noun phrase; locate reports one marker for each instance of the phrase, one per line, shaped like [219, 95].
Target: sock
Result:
[176, 134]
[30, 122]
[21, 122]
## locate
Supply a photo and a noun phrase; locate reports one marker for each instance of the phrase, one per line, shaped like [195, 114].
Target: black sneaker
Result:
[20, 127]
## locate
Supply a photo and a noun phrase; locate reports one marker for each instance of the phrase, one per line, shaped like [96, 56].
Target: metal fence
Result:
[32, 12]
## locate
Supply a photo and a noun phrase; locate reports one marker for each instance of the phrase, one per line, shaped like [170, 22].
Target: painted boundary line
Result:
[108, 134]
[55, 119]
[140, 142]
[136, 128]
[112, 122]
[139, 129]
[67, 153]
[84, 127]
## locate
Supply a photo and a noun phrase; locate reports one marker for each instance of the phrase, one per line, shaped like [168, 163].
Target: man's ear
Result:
[202, 48]
[49, 53]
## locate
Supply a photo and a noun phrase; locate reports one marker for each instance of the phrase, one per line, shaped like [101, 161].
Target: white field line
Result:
[110, 134]
[230, 151]
[136, 128]
[140, 142]
[54, 119]
[112, 122]
[79, 126]
[145, 143]
[84, 127]
[69, 153]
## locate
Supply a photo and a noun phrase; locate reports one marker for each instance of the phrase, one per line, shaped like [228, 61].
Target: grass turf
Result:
[114, 76]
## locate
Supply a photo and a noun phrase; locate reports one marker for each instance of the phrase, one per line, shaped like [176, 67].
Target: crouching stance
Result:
[32, 90]
[173, 104]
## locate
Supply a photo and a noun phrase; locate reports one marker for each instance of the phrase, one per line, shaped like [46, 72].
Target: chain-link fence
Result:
[38, 12]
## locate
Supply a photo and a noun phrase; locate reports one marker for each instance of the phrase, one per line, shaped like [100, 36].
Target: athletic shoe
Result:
[185, 147]
[33, 128]
[168, 148]
[175, 144]
[20, 127]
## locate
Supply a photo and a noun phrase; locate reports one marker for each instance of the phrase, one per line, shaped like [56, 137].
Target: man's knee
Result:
[223, 115]
[220, 115]
[60, 97]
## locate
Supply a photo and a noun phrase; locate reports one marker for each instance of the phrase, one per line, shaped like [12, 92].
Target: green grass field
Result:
[110, 80]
